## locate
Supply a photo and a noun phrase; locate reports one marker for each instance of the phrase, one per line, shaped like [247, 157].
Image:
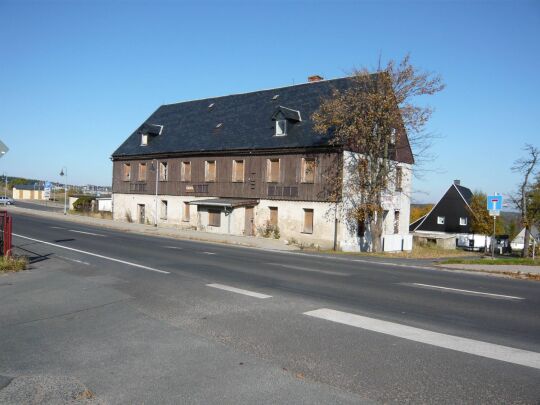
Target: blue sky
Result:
[77, 77]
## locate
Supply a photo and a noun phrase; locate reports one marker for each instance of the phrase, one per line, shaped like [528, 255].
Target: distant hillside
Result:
[419, 210]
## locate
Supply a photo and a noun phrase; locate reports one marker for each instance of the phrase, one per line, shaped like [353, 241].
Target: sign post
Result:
[494, 205]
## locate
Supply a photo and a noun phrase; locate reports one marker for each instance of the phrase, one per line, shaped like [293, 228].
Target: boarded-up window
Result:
[163, 171]
[185, 213]
[210, 170]
[308, 220]
[238, 171]
[272, 170]
[142, 172]
[214, 218]
[163, 213]
[399, 178]
[308, 170]
[273, 216]
[126, 171]
[396, 222]
[185, 174]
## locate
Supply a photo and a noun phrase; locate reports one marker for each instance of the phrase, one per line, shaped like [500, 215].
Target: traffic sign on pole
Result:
[494, 202]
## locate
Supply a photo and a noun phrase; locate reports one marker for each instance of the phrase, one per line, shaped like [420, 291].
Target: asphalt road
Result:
[40, 206]
[349, 329]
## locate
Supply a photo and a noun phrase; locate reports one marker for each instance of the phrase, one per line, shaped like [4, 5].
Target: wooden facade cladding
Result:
[290, 185]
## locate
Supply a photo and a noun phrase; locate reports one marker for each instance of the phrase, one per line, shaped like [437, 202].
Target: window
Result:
[210, 170]
[185, 174]
[214, 218]
[360, 228]
[273, 216]
[238, 171]
[272, 170]
[144, 139]
[399, 178]
[393, 136]
[163, 213]
[281, 127]
[126, 172]
[163, 171]
[185, 213]
[463, 221]
[396, 222]
[308, 170]
[308, 220]
[142, 172]
[440, 220]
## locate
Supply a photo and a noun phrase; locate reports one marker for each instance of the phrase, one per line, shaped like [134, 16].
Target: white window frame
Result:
[281, 131]
[144, 139]
[463, 221]
[440, 220]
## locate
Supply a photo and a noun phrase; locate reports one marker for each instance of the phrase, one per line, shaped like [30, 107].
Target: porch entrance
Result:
[141, 213]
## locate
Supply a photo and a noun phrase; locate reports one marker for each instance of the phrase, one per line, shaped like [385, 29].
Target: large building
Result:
[248, 164]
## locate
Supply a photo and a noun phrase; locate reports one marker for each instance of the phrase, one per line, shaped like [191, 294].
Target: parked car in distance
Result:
[6, 201]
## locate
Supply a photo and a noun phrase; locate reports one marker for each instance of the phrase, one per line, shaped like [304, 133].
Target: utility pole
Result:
[63, 172]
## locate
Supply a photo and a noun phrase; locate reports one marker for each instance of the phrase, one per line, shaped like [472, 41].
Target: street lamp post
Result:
[63, 172]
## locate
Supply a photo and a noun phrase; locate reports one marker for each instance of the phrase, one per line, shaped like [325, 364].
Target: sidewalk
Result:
[163, 230]
[491, 268]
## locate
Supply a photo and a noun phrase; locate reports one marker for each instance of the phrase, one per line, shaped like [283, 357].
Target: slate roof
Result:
[238, 122]
[28, 187]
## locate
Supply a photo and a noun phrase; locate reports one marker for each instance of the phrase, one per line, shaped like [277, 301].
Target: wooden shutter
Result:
[238, 170]
[210, 170]
[186, 212]
[127, 171]
[308, 221]
[273, 216]
[186, 171]
[142, 171]
[308, 170]
[214, 218]
[273, 170]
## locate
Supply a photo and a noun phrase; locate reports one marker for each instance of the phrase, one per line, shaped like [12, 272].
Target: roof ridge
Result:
[256, 91]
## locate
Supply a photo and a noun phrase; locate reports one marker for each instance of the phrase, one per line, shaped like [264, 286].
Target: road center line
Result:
[470, 346]
[74, 260]
[56, 227]
[288, 266]
[457, 290]
[173, 247]
[94, 254]
[86, 233]
[208, 253]
[239, 291]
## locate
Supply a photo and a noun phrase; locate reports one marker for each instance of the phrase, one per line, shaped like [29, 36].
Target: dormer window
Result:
[144, 139]
[281, 127]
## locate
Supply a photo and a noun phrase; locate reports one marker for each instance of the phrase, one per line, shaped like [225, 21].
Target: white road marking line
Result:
[74, 260]
[208, 253]
[457, 290]
[86, 233]
[288, 266]
[94, 254]
[411, 266]
[470, 346]
[173, 247]
[56, 227]
[239, 291]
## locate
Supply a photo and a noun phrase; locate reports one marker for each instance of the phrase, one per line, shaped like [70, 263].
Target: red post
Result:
[6, 228]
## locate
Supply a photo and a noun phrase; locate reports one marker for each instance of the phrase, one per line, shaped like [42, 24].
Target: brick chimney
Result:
[457, 182]
[315, 78]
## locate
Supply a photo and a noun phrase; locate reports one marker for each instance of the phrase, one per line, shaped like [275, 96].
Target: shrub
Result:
[12, 264]
[268, 230]
[129, 218]
[83, 204]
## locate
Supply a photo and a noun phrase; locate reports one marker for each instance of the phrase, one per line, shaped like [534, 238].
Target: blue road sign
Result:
[494, 202]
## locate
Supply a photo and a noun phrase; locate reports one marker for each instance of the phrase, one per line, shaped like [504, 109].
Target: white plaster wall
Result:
[123, 203]
[291, 221]
[395, 200]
